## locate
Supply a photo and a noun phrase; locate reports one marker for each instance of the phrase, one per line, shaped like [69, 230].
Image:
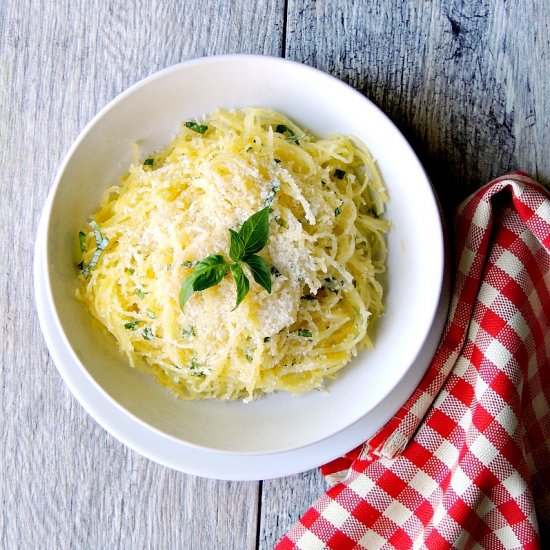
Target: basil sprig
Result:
[245, 244]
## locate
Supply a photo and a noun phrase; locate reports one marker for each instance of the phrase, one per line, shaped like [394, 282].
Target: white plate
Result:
[149, 113]
[203, 462]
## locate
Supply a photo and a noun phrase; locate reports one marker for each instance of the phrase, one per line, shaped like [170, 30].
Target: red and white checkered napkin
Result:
[465, 463]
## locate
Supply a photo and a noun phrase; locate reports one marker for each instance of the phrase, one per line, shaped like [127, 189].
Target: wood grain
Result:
[467, 82]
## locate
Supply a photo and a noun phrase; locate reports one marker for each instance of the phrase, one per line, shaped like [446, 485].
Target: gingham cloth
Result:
[465, 463]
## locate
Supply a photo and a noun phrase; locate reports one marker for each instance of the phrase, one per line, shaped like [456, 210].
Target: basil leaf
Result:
[237, 248]
[82, 240]
[282, 128]
[189, 331]
[241, 281]
[288, 133]
[208, 272]
[260, 271]
[254, 232]
[101, 246]
[339, 173]
[196, 127]
[97, 232]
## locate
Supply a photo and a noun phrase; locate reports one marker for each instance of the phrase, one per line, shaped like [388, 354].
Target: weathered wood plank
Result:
[64, 482]
[284, 501]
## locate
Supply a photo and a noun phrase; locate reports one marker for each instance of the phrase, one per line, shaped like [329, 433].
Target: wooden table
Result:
[468, 83]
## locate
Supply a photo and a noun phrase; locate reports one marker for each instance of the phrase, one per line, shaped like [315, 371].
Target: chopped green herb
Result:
[332, 284]
[148, 162]
[130, 270]
[82, 241]
[288, 133]
[339, 173]
[306, 333]
[337, 211]
[372, 212]
[139, 293]
[131, 325]
[150, 314]
[148, 333]
[196, 127]
[189, 331]
[101, 244]
[278, 161]
[249, 354]
[271, 195]
[97, 231]
[196, 368]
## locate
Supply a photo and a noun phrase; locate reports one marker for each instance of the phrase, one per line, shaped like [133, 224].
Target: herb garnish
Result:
[131, 325]
[150, 314]
[196, 127]
[101, 244]
[82, 240]
[337, 211]
[306, 333]
[148, 333]
[139, 293]
[288, 133]
[196, 368]
[189, 331]
[245, 245]
[148, 162]
[339, 173]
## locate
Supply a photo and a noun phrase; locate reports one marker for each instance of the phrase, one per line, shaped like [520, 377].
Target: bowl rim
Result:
[53, 191]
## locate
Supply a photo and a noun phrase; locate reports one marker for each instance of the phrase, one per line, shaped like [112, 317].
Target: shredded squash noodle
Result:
[326, 252]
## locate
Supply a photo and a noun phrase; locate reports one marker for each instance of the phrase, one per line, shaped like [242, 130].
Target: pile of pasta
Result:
[326, 252]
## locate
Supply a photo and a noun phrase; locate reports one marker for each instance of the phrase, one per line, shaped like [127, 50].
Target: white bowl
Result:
[150, 113]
